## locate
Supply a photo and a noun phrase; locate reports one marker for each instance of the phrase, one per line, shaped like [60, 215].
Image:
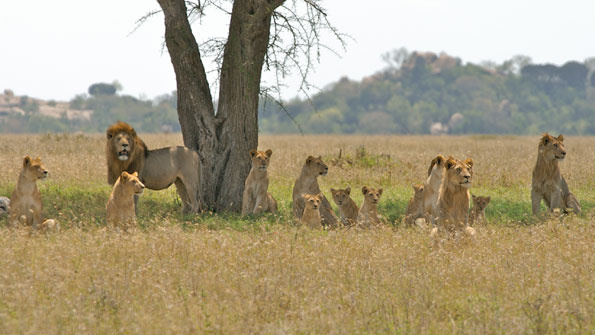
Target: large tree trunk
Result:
[223, 139]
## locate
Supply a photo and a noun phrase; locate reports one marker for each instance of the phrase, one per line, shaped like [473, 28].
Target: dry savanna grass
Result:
[225, 274]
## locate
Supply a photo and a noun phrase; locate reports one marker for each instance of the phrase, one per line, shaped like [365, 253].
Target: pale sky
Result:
[56, 49]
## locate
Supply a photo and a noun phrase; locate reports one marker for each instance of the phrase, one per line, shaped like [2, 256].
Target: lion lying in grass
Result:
[368, 213]
[415, 208]
[157, 169]
[311, 215]
[120, 205]
[25, 202]
[548, 183]
[256, 198]
[347, 207]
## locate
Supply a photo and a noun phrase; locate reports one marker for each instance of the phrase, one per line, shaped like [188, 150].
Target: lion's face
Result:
[34, 169]
[419, 191]
[481, 202]
[317, 166]
[122, 144]
[459, 173]
[341, 196]
[371, 195]
[260, 159]
[312, 200]
[131, 181]
[552, 147]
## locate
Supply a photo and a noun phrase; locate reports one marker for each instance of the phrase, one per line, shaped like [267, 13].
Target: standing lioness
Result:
[307, 183]
[256, 199]
[548, 183]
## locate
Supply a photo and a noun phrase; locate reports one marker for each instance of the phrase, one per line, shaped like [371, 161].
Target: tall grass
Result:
[220, 273]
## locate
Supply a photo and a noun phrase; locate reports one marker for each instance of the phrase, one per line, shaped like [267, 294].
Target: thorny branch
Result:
[298, 28]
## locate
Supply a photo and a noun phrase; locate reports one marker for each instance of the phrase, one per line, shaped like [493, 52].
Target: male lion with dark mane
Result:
[157, 169]
[547, 183]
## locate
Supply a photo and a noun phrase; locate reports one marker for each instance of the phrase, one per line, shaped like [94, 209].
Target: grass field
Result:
[225, 274]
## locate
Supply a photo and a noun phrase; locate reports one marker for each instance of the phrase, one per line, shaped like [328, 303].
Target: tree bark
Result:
[223, 139]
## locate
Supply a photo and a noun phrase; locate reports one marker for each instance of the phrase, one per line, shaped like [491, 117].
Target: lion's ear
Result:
[546, 138]
[269, 153]
[488, 199]
[124, 176]
[252, 153]
[348, 190]
[380, 190]
[333, 191]
[365, 190]
[109, 135]
[304, 195]
[473, 196]
[309, 160]
[561, 138]
[26, 161]
[450, 163]
[469, 162]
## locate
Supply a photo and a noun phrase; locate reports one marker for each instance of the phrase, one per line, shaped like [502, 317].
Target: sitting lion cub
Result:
[256, 199]
[120, 205]
[368, 213]
[415, 208]
[347, 207]
[25, 202]
[311, 215]
[478, 211]
[307, 183]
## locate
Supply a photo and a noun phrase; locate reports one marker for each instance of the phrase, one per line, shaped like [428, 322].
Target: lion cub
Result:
[347, 207]
[25, 202]
[256, 199]
[311, 215]
[478, 211]
[120, 205]
[415, 208]
[368, 213]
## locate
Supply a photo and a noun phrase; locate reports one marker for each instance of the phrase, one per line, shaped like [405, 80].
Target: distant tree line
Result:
[417, 93]
[105, 106]
[423, 93]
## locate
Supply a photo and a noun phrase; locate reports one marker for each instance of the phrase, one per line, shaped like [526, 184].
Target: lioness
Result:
[311, 215]
[415, 209]
[120, 205]
[157, 169]
[453, 199]
[25, 202]
[307, 183]
[478, 211]
[547, 182]
[432, 188]
[368, 213]
[256, 199]
[347, 207]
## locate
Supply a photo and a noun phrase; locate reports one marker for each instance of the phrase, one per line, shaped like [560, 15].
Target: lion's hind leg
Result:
[272, 203]
[570, 201]
[183, 193]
